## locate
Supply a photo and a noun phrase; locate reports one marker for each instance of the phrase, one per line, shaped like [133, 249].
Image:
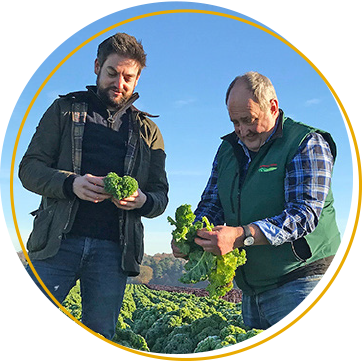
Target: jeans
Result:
[96, 263]
[265, 309]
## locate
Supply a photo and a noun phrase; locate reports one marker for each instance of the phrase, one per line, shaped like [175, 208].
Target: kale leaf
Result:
[203, 265]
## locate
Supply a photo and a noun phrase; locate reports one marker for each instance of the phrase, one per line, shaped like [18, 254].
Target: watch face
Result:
[249, 241]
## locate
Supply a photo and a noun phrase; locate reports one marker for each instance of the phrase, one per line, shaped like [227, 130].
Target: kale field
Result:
[171, 322]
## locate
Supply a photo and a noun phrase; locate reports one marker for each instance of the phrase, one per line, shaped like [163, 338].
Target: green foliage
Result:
[127, 338]
[179, 343]
[251, 333]
[215, 321]
[231, 330]
[198, 267]
[203, 265]
[120, 187]
[208, 344]
[185, 230]
[174, 323]
[72, 303]
[221, 277]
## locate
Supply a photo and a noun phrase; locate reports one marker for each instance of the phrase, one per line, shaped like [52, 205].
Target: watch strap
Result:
[247, 231]
[249, 238]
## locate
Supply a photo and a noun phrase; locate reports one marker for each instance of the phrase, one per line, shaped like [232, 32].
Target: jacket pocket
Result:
[39, 236]
[139, 241]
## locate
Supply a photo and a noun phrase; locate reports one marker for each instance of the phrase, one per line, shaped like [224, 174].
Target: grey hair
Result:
[259, 85]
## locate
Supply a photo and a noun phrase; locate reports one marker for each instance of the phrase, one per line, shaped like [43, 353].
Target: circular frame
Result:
[260, 341]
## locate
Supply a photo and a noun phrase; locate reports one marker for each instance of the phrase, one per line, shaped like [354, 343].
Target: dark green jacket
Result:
[262, 196]
[50, 160]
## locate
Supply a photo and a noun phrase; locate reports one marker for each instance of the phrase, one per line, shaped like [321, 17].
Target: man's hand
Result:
[90, 188]
[176, 251]
[221, 240]
[135, 201]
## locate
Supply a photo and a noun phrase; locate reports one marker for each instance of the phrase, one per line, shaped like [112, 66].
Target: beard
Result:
[112, 102]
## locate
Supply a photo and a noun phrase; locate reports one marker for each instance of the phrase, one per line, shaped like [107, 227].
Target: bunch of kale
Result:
[120, 187]
[203, 265]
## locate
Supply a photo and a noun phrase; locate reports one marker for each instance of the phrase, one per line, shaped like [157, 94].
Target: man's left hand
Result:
[221, 240]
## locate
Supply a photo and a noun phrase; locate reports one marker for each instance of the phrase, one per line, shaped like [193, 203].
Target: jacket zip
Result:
[111, 119]
[71, 203]
[231, 193]
[241, 181]
[135, 125]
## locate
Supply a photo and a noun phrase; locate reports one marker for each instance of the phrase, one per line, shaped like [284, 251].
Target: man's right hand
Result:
[90, 188]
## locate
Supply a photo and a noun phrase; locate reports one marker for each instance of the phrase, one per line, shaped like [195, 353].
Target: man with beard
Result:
[80, 231]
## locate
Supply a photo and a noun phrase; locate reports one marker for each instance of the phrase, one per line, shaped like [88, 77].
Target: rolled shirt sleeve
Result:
[307, 183]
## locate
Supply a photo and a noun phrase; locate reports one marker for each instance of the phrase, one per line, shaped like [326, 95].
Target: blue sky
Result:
[192, 58]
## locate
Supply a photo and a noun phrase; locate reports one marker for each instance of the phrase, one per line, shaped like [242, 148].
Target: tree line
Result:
[160, 269]
[164, 269]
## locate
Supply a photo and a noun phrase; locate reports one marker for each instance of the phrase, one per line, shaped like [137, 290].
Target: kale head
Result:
[120, 187]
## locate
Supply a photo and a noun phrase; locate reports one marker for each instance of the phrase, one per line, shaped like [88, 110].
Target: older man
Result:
[270, 185]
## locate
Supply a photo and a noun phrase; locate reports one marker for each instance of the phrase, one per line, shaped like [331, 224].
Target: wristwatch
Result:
[249, 239]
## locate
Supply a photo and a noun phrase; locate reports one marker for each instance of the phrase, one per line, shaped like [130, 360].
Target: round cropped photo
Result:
[181, 181]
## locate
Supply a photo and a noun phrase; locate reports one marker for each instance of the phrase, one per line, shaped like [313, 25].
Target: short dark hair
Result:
[124, 45]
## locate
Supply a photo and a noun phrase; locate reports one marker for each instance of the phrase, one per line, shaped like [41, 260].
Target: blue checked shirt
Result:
[306, 184]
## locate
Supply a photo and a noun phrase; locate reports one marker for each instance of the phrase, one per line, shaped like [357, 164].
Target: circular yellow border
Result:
[197, 12]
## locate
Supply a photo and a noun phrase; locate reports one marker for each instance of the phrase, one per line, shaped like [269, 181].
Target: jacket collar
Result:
[92, 89]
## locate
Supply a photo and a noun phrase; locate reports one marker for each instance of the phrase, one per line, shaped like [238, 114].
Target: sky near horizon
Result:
[192, 58]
